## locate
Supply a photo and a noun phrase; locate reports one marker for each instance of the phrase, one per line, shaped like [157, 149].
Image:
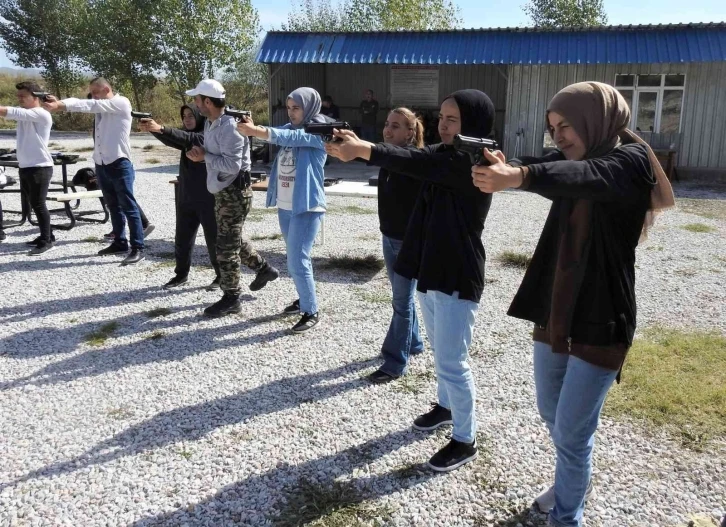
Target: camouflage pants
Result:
[231, 206]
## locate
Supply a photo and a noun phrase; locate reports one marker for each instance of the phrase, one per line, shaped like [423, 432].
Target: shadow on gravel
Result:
[169, 347]
[301, 494]
[192, 423]
[163, 169]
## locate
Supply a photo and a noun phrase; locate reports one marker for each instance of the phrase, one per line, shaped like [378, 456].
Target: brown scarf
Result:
[599, 115]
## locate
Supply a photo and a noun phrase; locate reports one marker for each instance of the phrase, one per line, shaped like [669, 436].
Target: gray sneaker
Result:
[546, 501]
[41, 249]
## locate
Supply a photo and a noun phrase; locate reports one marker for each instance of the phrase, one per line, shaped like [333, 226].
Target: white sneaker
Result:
[546, 501]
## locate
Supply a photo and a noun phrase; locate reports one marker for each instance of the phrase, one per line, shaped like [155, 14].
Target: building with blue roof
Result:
[673, 76]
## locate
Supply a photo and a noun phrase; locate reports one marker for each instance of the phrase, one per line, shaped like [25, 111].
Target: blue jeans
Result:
[570, 395]
[402, 339]
[299, 231]
[117, 185]
[449, 325]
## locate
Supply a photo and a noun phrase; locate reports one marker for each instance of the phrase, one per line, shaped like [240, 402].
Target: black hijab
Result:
[477, 112]
[198, 116]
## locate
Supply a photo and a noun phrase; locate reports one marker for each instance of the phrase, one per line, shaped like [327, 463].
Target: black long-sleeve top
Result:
[192, 175]
[442, 247]
[618, 185]
[397, 195]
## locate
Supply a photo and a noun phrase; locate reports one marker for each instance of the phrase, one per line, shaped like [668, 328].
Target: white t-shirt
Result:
[286, 172]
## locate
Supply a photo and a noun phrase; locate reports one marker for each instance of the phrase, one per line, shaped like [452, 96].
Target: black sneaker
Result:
[436, 417]
[266, 274]
[134, 257]
[2, 235]
[175, 282]
[214, 285]
[148, 229]
[381, 377]
[307, 322]
[453, 455]
[293, 309]
[109, 236]
[227, 305]
[36, 241]
[114, 248]
[41, 248]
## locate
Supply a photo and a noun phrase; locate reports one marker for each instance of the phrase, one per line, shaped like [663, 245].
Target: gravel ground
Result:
[180, 420]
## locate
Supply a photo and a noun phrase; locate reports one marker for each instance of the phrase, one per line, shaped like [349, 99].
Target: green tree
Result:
[201, 38]
[32, 34]
[550, 14]
[118, 40]
[372, 15]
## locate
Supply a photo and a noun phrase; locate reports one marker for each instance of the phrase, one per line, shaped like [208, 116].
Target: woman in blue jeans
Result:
[397, 195]
[579, 291]
[297, 188]
[443, 250]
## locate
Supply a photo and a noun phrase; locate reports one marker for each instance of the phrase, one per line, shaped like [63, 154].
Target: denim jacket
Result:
[310, 156]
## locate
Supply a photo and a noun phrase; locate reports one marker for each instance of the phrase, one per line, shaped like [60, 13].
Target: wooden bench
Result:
[67, 197]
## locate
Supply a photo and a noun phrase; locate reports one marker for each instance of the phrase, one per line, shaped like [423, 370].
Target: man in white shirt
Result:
[114, 170]
[34, 159]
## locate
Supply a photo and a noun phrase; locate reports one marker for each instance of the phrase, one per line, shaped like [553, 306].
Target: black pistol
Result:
[42, 95]
[140, 115]
[239, 115]
[474, 147]
[326, 129]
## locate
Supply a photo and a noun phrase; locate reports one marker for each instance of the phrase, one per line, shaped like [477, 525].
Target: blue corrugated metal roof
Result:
[602, 45]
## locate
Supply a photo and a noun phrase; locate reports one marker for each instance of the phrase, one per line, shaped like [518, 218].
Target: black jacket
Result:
[619, 185]
[192, 175]
[397, 195]
[442, 247]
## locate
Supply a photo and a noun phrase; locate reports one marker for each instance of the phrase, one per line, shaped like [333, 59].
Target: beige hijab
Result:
[600, 116]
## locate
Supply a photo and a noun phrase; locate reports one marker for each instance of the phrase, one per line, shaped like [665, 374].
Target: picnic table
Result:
[59, 191]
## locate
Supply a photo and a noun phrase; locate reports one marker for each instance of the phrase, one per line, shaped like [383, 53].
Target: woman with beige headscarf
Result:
[579, 291]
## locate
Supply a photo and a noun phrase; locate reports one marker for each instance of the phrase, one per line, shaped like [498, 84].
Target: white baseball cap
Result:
[208, 88]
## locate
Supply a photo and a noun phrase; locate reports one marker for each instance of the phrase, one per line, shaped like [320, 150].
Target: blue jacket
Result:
[310, 156]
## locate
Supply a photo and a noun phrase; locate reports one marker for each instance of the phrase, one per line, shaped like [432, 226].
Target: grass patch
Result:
[697, 227]
[83, 149]
[515, 259]
[153, 161]
[53, 144]
[186, 454]
[675, 379]
[351, 209]
[120, 413]
[146, 148]
[374, 297]
[99, 337]
[340, 505]
[165, 255]
[414, 383]
[91, 239]
[156, 335]
[259, 237]
[712, 209]
[359, 264]
[158, 312]
[257, 215]
[369, 237]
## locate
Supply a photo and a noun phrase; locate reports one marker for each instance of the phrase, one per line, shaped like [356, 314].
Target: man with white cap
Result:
[227, 155]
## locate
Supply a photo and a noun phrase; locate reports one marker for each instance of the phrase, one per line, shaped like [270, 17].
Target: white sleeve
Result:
[36, 115]
[119, 105]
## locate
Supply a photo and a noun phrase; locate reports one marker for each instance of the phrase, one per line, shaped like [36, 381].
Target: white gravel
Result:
[233, 421]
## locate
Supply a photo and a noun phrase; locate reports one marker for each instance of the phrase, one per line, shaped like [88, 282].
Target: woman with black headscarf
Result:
[606, 185]
[297, 188]
[194, 203]
[443, 250]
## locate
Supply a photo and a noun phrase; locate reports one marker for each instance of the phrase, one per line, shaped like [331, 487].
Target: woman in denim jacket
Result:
[297, 188]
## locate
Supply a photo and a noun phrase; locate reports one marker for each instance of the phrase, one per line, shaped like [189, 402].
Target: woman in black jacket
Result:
[397, 195]
[579, 291]
[443, 250]
[194, 203]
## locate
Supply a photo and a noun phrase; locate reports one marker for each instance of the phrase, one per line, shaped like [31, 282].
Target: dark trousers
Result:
[117, 185]
[34, 182]
[189, 216]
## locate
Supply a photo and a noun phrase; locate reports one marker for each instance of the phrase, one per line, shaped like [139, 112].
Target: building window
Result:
[655, 101]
